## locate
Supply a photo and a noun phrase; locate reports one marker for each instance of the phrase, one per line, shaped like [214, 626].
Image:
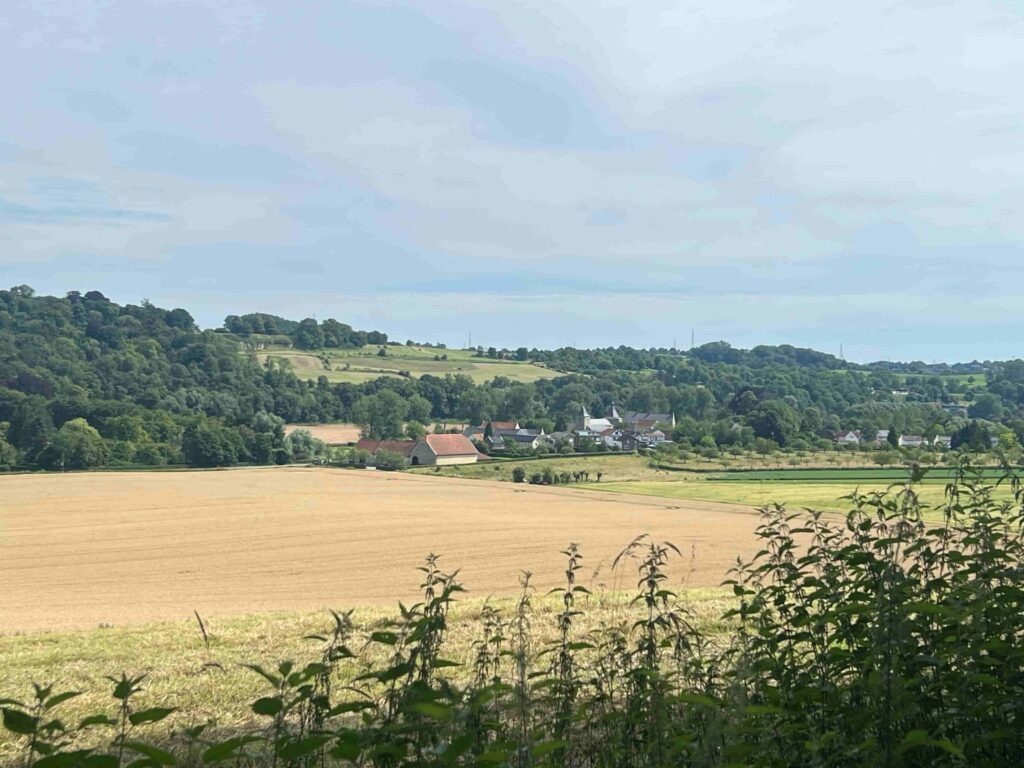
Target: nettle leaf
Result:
[18, 722]
[154, 715]
[157, 755]
[305, 746]
[272, 679]
[347, 746]
[227, 750]
[397, 671]
[349, 706]
[433, 710]
[269, 706]
[81, 758]
[126, 687]
[60, 698]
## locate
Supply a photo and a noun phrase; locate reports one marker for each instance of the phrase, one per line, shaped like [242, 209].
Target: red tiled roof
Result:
[504, 425]
[403, 447]
[451, 445]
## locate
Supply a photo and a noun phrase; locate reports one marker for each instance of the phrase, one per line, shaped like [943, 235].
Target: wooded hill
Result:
[86, 382]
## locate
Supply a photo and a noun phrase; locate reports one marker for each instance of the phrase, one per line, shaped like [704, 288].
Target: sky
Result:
[534, 173]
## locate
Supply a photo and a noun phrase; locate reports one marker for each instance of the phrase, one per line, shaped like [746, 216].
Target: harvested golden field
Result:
[332, 434]
[341, 433]
[83, 550]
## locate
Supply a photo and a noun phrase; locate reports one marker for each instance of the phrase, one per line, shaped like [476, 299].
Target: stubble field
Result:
[79, 551]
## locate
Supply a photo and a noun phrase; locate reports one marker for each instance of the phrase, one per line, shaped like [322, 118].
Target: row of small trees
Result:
[551, 477]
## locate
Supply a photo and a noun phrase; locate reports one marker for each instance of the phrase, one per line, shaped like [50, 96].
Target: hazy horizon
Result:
[553, 175]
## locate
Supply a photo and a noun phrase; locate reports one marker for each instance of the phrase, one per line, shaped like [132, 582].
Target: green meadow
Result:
[358, 365]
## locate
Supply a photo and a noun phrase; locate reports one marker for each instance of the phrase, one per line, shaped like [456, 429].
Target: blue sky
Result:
[540, 173]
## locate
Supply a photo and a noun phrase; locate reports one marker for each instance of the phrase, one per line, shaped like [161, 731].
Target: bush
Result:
[389, 460]
[518, 474]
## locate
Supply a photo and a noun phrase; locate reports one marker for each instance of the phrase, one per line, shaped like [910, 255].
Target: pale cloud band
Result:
[604, 173]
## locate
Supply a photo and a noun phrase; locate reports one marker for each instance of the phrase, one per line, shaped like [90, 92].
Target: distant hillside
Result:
[361, 364]
[85, 381]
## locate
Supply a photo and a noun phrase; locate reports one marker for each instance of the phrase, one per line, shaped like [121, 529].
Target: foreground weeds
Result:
[881, 638]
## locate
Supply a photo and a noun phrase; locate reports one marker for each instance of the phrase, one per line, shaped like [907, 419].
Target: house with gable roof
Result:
[432, 450]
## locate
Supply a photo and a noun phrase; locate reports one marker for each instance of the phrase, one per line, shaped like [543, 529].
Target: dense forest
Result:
[86, 382]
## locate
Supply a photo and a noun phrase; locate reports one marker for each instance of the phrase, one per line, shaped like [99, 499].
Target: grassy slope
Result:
[358, 365]
[825, 496]
[180, 665]
[797, 488]
[971, 380]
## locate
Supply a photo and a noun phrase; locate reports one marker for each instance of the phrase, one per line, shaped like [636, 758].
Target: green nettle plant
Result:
[891, 636]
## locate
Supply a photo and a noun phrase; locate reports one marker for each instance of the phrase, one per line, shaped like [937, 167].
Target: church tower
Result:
[613, 415]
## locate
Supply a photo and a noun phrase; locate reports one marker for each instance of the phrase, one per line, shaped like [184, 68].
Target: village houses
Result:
[630, 431]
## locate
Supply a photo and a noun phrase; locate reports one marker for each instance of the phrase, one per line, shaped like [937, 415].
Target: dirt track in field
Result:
[78, 550]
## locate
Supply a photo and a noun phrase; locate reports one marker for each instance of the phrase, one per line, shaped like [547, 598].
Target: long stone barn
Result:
[432, 450]
[443, 450]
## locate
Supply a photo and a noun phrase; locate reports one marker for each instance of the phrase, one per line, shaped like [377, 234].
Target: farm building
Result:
[432, 450]
[913, 441]
[442, 450]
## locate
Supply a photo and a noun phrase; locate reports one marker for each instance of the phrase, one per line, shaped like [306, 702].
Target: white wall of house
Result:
[445, 461]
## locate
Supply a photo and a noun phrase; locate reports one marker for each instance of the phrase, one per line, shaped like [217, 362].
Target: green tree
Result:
[8, 455]
[986, 406]
[775, 420]
[148, 454]
[206, 444]
[419, 409]
[475, 406]
[262, 448]
[973, 436]
[518, 474]
[75, 446]
[389, 460]
[31, 426]
[381, 416]
[128, 428]
[308, 335]
[303, 446]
